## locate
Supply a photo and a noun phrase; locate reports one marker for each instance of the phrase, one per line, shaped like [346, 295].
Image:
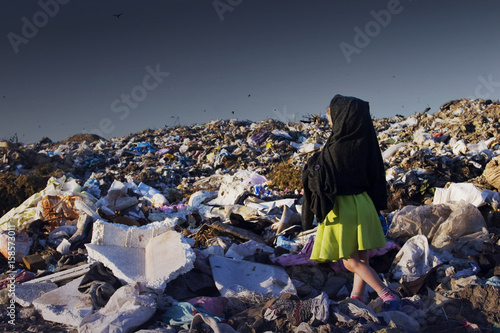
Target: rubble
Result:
[199, 226]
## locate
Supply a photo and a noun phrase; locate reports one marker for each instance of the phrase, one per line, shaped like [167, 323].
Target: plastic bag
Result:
[410, 221]
[464, 225]
[457, 227]
[414, 259]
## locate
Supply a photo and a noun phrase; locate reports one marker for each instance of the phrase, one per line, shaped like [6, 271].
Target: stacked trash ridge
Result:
[198, 229]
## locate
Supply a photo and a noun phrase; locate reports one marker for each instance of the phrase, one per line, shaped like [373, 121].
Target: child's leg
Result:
[358, 265]
[358, 288]
[358, 285]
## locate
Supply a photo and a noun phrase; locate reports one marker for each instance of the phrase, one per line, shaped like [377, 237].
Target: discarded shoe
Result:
[391, 305]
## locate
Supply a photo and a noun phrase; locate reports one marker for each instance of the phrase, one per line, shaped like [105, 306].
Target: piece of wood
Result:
[63, 275]
[34, 262]
[239, 232]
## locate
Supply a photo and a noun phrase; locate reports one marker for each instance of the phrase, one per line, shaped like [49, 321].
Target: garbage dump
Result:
[198, 228]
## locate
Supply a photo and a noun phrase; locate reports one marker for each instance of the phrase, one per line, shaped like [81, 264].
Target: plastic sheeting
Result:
[67, 192]
[128, 308]
[414, 259]
[457, 192]
[459, 227]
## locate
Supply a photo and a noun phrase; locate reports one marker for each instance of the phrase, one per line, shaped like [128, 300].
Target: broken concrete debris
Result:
[200, 226]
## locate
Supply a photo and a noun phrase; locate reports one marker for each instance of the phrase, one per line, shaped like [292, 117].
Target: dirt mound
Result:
[82, 137]
[286, 177]
[15, 189]
[481, 303]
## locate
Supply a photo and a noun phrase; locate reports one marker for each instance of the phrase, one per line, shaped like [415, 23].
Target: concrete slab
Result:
[153, 255]
[26, 293]
[233, 276]
[65, 305]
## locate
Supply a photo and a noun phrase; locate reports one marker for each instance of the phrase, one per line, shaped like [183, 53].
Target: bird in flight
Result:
[117, 15]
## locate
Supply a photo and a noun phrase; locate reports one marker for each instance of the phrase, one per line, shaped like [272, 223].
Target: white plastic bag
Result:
[414, 259]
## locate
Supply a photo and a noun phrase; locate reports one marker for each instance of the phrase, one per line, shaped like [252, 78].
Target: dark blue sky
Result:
[74, 67]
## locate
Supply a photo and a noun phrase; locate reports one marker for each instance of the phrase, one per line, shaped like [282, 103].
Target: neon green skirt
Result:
[352, 225]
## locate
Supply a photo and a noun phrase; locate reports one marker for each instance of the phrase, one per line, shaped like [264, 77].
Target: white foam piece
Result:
[65, 305]
[126, 263]
[240, 251]
[152, 260]
[253, 277]
[167, 257]
[26, 293]
[104, 233]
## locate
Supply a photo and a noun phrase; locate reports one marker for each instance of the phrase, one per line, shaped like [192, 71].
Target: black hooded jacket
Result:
[349, 163]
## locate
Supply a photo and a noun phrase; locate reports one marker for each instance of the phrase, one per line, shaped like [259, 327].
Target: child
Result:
[344, 186]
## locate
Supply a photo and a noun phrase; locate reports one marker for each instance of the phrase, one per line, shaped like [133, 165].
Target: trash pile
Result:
[198, 228]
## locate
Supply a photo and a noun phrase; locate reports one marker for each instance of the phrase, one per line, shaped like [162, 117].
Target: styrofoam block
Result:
[126, 263]
[254, 277]
[65, 305]
[214, 250]
[167, 256]
[26, 293]
[164, 258]
[105, 233]
[240, 251]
